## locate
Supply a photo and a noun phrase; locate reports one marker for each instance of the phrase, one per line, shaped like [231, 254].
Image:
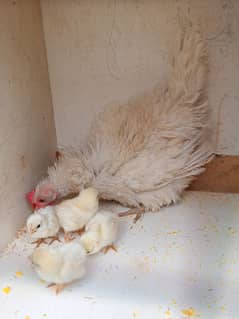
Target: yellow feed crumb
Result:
[232, 230]
[190, 312]
[19, 274]
[223, 308]
[135, 314]
[6, 290]
[173, 301]
[173, 232]
[168, 313]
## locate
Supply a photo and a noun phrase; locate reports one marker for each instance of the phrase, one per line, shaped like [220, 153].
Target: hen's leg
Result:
[155, 199]
[138, 212]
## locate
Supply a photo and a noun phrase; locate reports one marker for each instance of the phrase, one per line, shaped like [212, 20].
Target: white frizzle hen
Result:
[100, 232]
[146, 152]
[43, 224]
[73, 214]
[60, 265]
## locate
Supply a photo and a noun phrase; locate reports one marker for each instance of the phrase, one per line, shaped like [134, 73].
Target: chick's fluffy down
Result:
[73, 214]
[43, 223]
[100, 232]
[61, 264]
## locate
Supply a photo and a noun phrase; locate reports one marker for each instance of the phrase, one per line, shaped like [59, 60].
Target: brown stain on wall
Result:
[23, 161]
[221, 175]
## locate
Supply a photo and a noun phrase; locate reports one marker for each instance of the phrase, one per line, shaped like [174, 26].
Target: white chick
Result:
[60, 265]
[100, 233]
[73, 214]
[43, 224]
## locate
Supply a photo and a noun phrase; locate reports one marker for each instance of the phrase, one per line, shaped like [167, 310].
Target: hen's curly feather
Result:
[147, 151]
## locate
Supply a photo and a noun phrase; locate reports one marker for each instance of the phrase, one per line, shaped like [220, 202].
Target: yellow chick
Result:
[100, 233]
[60, 265]
[43, 224]
[73, 214]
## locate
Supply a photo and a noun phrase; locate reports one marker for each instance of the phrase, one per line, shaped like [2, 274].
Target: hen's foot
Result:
[138, 212]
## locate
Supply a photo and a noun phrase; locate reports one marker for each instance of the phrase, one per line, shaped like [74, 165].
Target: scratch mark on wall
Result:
[23, 161]
[225, 35]
[218, 122]
[112, 63]
[4, 182]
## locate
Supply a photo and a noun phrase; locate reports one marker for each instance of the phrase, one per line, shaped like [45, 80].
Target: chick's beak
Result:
[32, 230]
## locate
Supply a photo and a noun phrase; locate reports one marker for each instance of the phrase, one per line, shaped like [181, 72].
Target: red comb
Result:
[30, 195]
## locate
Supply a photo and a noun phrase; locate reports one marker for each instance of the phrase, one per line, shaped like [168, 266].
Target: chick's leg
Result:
[107, 248]
[57, 287]
[60, 288]
[138, 212]
[80, 231]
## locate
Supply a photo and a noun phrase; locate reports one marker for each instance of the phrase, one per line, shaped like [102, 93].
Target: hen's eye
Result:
[41, 200]
[38, 226]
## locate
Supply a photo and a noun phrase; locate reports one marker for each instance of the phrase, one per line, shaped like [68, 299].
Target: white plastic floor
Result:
[179, 263]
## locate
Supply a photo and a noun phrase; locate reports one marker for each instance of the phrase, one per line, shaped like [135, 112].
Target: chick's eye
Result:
[38, 226]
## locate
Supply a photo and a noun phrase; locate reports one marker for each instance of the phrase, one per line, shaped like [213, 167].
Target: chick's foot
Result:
[68, 237]
[52, 239]
[57, 287]
[40, 241]
[80, 231]
[107, 248]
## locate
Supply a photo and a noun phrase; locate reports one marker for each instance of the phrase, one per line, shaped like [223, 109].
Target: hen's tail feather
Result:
[190, 65]
[188, 86]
